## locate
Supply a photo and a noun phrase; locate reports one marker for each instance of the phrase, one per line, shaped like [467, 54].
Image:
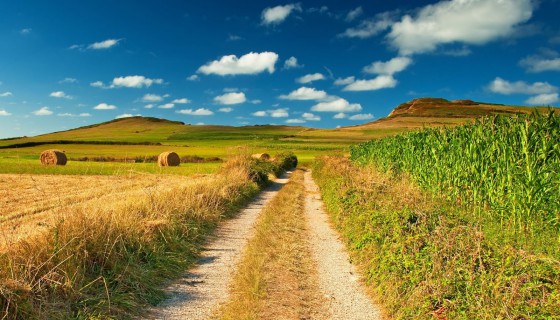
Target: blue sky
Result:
[66, 64]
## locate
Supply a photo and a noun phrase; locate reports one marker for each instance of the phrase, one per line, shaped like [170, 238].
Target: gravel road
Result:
[338, 279]
[205, 288]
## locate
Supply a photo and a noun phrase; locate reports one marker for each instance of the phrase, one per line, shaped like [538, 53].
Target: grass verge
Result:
[112, 262]
[276, 278]
[426, 259]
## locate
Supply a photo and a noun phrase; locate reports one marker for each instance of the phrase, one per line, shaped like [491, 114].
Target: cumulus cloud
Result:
[193, 77]
[44, 111]
[366, 116]
[181, 101]
[371, 27]
[292, 63]
[353, 14]
[134, 82]
[166, 106]
[97, 84]
[106, 44]
[231, 98]
[25, 31]
[275, 113]
[340, 115]
[310, 116]
[390, 67]
[278, 14]
[4, 113]
[466, 21]
[344, 81]
[549, 61]
[502, 86]
[292, 121]
[68, 80]
[251, 63]
[305, 93]
[338, 105]
[127, 115]
[60, 94]
[543, 99]
[6, 94]
[104, 106]
[150, 97]
[310, 78]
[197, 112]
[379, 82]
[225, 110]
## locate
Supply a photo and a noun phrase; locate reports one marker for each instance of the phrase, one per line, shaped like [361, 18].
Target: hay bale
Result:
[53, 157]
[169, 159]
[261, 156]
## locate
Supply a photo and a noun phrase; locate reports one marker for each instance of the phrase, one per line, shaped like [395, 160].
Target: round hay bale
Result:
[53, 157]
[261, 156]
[169, 159]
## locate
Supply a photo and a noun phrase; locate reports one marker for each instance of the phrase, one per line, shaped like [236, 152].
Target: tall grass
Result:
[112, 262]
[509, 167]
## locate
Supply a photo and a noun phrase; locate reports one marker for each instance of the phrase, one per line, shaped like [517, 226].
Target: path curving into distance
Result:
[338, 278]
[202, 290]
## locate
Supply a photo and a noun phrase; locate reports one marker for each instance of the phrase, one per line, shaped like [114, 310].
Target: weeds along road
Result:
[238, 277]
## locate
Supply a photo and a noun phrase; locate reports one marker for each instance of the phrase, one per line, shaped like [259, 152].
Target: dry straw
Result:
[261, 156]
[169, 159]
[53, 157]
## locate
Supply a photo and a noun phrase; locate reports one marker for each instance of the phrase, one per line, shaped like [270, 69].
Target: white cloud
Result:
[127, 115]
[310, 116]
[390, 67]
[543, 99]
[305, 93]
[353, 14]
[44, 111]
[467, 21]
[259, 113]
[25, 31]
[68, 80]
[292, 63]
[134, 82]
[225, 110]
[104, 106]
[256, 101]
[193, 77]
[340, 115]
[540, 64]
[106, 44]
[166, 106]
[275, 113]
[181, 101]
[380, 82]
[231, 98]
[97, 84]
[4, 113]
[502, 86]
[6, 94]
[370, 28]
[295, 121]
[310, 78]
[197, 112]
[150, 97]
[338, 105]
[60, 94]
[367, 116]
[251, 63]
[344, 81]
[85, 114]
[149, 106]
[278, 14]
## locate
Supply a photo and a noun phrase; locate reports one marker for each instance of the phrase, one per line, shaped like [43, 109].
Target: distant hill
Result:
[411, 115]
[430, 112]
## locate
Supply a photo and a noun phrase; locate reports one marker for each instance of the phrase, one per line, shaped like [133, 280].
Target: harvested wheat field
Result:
[32, 203]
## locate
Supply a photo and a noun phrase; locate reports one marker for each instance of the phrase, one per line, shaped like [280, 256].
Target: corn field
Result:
[508, 167]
